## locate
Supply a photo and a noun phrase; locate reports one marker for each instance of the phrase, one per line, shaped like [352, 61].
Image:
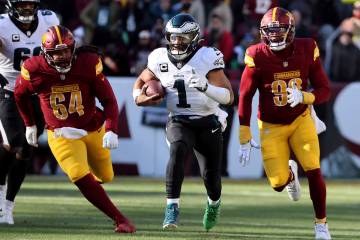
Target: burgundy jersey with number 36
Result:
[272, 72]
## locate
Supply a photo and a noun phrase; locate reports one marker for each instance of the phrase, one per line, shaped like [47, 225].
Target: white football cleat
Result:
[8, 217]
[322, 231]
[293, 188]
[2, 199]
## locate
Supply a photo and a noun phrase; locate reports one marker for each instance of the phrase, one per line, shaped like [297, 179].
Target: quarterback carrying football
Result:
[195, 84]
[20, 38]
[283, 68]
[67, 80]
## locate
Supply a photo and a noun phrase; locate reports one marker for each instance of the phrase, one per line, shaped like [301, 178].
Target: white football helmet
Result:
[182, 33]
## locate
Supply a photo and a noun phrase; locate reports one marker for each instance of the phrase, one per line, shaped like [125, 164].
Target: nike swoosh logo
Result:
[214, 130]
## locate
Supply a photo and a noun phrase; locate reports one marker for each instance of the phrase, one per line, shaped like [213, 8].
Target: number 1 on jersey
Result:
[180, 86]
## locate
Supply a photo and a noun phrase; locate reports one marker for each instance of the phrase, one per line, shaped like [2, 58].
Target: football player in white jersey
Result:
[195, 85]
[20, 37]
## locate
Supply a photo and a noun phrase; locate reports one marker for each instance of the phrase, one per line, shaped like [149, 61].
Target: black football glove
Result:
[3, 81]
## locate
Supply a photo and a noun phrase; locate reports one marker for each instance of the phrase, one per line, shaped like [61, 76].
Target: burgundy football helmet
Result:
[277, 28]
[56, 40]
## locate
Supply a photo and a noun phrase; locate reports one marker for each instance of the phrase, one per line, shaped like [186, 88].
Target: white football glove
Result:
[110, 140]
[245, 150]
[198, 82]
[294, 96]
[31, 136]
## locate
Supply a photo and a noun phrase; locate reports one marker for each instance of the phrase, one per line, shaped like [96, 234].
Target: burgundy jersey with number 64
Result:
[68, 100]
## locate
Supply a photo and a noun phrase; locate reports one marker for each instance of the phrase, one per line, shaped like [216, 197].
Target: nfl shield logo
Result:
[285, 64]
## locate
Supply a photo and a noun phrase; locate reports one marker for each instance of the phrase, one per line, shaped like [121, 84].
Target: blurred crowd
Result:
[128, 30]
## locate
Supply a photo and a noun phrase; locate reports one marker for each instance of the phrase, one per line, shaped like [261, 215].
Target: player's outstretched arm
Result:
[139, 90]
[248, 86]
[23, 91]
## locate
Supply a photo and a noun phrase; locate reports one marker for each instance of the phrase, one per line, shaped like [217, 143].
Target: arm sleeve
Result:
[248, 86]
[106, 96]
[22, 92]
[318, 79]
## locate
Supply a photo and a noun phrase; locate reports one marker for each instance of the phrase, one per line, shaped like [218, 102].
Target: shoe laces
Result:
[292, 186]
[212, 212]
[320, 227]
[171, 213]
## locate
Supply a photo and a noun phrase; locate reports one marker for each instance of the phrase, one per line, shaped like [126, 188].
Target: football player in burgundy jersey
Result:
[67, 81]
[282, 69]
[20, 37]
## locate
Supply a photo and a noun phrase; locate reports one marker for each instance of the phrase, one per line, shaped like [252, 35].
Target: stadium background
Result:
[48, 207]
[127, 31]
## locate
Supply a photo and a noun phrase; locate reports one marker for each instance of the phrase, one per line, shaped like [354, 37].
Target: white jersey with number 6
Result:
[180, 98]
[17, 45]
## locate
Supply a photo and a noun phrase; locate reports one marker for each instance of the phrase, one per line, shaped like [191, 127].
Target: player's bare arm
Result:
[139, 91]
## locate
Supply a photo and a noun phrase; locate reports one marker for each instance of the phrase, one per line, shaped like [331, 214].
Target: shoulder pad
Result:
[28, 66]
[316, 51]
[46, 12]
[155, 55]
[213, 57]
[93, 55]
[309, 47]
[249, 58]
[91, 62]
[49, 17]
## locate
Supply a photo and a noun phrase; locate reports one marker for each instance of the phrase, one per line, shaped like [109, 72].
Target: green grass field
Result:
[52, 208]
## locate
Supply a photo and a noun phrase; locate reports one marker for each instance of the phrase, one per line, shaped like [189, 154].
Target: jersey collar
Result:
[27, 32]
[179, 64]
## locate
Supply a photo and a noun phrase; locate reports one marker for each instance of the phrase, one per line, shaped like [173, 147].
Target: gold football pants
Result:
[79, 157]
[278, 139]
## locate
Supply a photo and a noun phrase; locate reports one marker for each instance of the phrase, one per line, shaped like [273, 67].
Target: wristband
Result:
[136, 93]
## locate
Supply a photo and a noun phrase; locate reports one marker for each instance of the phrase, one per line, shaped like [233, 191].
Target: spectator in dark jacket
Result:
[345, 59]
[217, 36]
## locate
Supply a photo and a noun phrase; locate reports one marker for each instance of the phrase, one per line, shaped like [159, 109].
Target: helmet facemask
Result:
[23, 11]
[181, 45]
[61, 57]
[277, 36]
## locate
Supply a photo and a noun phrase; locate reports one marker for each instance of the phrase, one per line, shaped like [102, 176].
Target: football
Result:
[154, 87]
